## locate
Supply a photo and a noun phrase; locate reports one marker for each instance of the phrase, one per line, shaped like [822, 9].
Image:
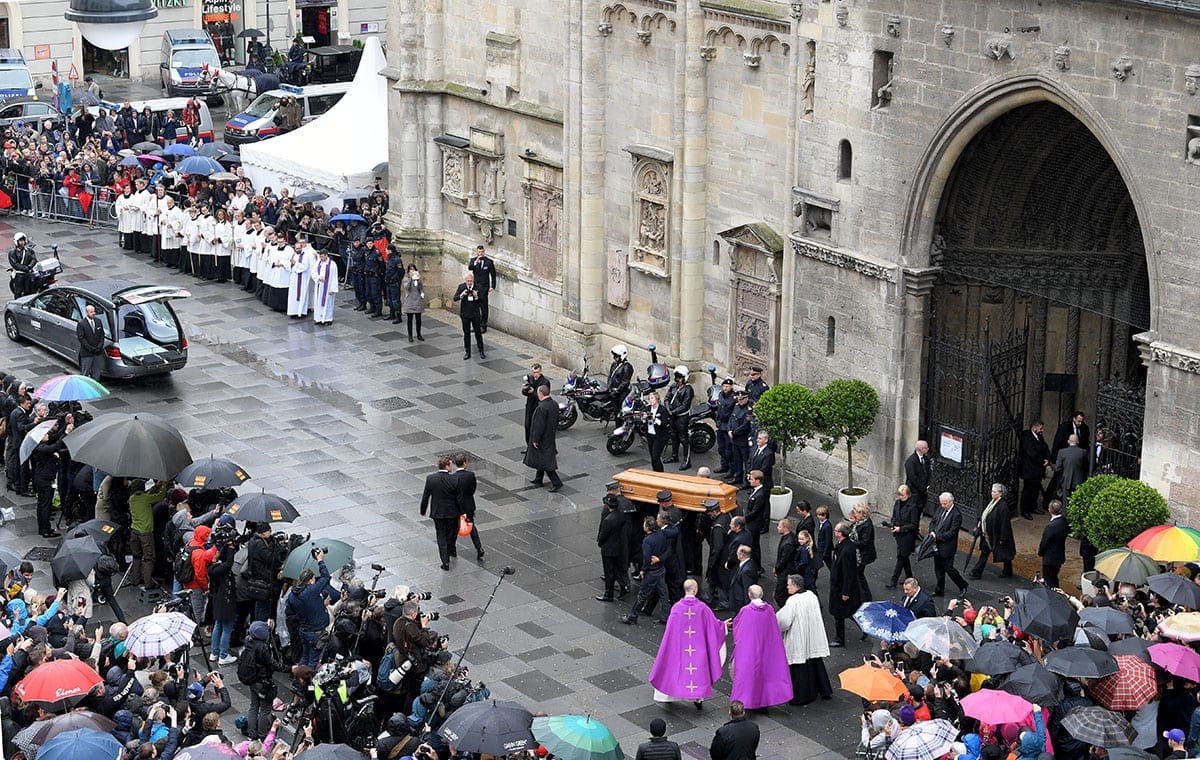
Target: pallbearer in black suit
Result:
[440, 500]
[758, 512]
[465, 485]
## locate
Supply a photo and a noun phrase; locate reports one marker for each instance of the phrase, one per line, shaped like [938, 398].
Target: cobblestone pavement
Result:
[345, 421]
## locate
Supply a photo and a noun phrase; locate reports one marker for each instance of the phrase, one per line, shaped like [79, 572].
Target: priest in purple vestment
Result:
[691, 657]
[760, 667]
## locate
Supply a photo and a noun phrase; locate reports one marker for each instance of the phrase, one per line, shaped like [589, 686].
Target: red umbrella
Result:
[1130, 688]
[60, 683]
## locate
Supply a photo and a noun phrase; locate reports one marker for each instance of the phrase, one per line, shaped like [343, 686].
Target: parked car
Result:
[144, 335]
[32, 111]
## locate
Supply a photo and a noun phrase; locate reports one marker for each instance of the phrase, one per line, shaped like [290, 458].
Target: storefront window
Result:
[223, 19]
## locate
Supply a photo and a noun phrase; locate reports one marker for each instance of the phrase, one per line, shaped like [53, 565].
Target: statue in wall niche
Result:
[1062, 58]
[653, 227]
[884, 94]
[1193, 150]
[937, 248]
[652, 183]
[842, 14]
[546, 229]
[452, 173]
[809, 85]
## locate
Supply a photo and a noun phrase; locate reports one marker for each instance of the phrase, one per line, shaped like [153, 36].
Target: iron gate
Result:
[974, 401]
[1119, 417]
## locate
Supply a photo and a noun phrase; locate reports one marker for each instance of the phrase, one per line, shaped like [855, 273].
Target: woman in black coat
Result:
[222, 592]
[995, 534]
[906, 519]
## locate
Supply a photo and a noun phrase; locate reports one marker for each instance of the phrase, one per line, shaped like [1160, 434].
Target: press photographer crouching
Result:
[413, 650]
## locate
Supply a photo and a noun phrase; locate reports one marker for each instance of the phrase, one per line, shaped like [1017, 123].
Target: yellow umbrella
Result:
[1183, 627]
[1125, 565]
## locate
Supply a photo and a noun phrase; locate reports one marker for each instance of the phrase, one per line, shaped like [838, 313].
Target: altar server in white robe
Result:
[275, 295]
[187, 260]
[325, 286]
[127, 213]
[170, 228]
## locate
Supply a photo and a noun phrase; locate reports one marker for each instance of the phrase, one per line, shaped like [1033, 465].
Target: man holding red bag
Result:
[464, 486]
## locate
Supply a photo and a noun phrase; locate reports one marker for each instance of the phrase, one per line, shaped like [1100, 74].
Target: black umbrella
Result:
[250, 34]
[262, 507]
[146, 147]
[1099, 727]
[229, 158]
[1134, 645]
[1112, 621]
[1176, 589]
[1090, 635]
[311, 196]
[1081, 662]
[493, 727]
[1130, 753]
[996, 658]
[130, 446]
[215, 149]
[1045, 614]
[381, 169]
[101, 530]
[9, 560]
[1036, 684]
[211, 474]
[48, 729]
[75, 558]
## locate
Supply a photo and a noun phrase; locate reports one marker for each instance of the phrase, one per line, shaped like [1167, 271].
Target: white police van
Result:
[185, 53]
[257, 122]
[14, 75]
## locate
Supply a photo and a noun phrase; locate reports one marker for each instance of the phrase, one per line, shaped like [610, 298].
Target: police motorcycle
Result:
[586, 394]
[632, 415]
[702, 435]
[41, 275]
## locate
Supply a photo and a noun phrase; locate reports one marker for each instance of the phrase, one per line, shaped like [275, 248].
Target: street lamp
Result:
[111, 24]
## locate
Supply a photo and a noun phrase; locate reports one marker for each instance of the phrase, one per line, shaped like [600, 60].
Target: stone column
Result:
[690, 279]
[1071, 361]
[918, 285]
[584, 179]
[787, 304]
[1035, 379]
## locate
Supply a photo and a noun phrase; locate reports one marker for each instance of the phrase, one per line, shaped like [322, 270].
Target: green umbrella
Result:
[576, 737]
[1124, 565]
[338, 553]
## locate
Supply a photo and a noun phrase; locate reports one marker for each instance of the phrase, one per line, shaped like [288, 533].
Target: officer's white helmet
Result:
[620, 352]
[682, 371]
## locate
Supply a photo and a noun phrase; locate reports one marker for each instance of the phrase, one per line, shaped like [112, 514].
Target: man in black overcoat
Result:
[843, 582]
[542, 455]
[440, 500]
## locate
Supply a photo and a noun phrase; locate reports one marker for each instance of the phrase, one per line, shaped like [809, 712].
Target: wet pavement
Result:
[346, 421]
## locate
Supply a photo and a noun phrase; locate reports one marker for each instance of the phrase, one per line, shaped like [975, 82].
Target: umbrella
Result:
[150, 158]
[1176, 589]
[347, 218]
[146, 146]
[310, 196]
[1112, 621]
[923, 741]
[333, 752]
[130, 445]
[201, 165]
[76, 719]
[380, 169]
[355, 194]
[884, 620]
[223, 177]
[263, 507]
[84, 99]
[1134, 645]
[1081, 662]
[230, 158]
[250, 33]
[179, 149]
[1125, 565]
[494, 727]
[81, 742]
[1035, 683]
[996, 707]
[1177, 660]
[215, 149]
[1090, 636]
[208, 752]
[576, 737]
[1045, 614]
[340, 553]
[1130, 688]
[129, 161]
[34, 437]
[1130, 753]
[70, 388]
[996, 658]
[1185, 626]
[9, 560]
[75, 558]
[1168, 543]
[59, 683]
[941, 636]
[126, 153]
[872, 683]
[159, 634]
[101, 530]
[1099, 727]
[211, 474]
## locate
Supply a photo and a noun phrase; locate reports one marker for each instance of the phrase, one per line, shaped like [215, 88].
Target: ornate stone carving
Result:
[1122, 68]
[809, 83]
[797, 10]
[883, 96]
[545, 209]
[1191, 79]
[893, 25]
[452, 175]
[708, 52]
[1175, 357]
[999, 48]
[1193, 151]
[605, 29]
[842, 14]
[644, 36]
[1062, 58]
[649, 23]
[618, 279]
[752, 60]
[948, 35]
[651, 220]
[843, 260]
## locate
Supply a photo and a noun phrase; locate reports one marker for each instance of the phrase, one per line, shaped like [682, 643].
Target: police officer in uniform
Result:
[356, 262]
[739, 438]
[619, 375]
[725, 404]
[484, 270]
[373, 274]
[679, 405]
[22, 261]
[756, 386]
[393, 274]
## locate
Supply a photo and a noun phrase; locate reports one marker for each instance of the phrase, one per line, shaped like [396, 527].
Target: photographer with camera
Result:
[416, 646]
[306, 602]
[256, 670]
[257, 581]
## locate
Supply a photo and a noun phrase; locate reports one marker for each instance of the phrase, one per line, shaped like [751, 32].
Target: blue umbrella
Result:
[129, 161]
[884, 620]
[179, 149]
[201, 165]
[82, 742]
[347, 218]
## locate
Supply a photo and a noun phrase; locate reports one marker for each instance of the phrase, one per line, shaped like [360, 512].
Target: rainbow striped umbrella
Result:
[1168, 543]
[70, 388]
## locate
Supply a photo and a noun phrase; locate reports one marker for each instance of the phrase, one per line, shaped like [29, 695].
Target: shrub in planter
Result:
[1081, 501]
[846, 411]
[1121, 511]
[788, 412]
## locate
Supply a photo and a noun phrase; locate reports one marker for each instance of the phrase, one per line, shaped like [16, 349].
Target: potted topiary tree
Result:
[1121, 511]
[846, 411]
[1077, 511]
[788, 412]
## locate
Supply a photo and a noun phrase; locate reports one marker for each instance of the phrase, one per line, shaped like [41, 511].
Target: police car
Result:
[185, 53]
[14, 75]
[257, 122]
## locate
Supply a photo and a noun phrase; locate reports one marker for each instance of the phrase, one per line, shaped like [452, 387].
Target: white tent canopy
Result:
[337, 151]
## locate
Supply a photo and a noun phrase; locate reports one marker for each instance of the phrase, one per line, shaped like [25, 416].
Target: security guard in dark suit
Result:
[679, 403]
[613, 540]
[739, 439]
[440, 500]
[484, 270]
[356, 262]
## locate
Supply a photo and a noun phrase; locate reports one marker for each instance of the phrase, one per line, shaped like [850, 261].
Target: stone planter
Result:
[848, 501]
[781, 504]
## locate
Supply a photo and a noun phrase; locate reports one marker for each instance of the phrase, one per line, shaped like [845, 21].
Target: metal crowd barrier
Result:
[57, 206]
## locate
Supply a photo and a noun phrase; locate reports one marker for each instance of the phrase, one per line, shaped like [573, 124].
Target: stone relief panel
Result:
[651, 217]
[618, 278]
[545, 212]
[452, 175]
[752, 339]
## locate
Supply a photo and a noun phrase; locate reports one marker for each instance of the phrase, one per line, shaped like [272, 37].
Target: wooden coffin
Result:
[687, 491]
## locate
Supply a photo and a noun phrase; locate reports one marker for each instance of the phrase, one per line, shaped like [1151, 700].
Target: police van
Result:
[185, 52]
[159, 108]
[14, 75]
[257, 122]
